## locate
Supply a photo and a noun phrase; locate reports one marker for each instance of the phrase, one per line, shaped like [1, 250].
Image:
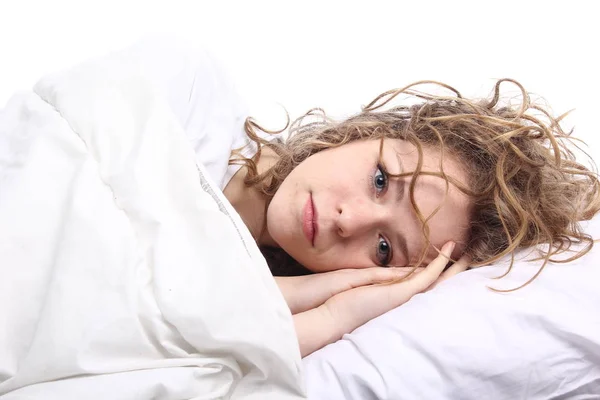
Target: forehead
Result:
[431, 157]
[432, 194]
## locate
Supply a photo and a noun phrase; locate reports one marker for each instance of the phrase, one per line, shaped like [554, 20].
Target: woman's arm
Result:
[315, 329]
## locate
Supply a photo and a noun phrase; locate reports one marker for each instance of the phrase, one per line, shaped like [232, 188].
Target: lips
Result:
[309, 221]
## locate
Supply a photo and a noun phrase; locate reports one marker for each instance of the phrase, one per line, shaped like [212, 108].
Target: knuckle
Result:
[347, 272]
[376, 275]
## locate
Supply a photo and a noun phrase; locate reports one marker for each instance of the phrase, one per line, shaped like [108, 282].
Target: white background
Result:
[336, 55]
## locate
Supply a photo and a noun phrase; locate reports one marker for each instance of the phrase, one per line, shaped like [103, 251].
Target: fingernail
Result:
[449, 247]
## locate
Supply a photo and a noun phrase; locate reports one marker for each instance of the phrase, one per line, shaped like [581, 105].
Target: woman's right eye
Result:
[380, 180]
[384, 252]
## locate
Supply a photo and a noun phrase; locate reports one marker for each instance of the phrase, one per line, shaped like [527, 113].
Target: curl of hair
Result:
[525, 184]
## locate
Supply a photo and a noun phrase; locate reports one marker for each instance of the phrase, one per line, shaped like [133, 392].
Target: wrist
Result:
[315, 329]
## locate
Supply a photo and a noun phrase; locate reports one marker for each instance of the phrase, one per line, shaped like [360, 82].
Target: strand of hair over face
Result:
[526, 186]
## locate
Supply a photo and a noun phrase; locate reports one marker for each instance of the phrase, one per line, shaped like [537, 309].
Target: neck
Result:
[250, 203]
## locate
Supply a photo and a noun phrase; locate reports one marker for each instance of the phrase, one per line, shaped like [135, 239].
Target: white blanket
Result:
[124, 272]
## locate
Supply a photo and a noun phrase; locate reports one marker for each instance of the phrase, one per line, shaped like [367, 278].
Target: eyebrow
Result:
[401, 182]
[400, 239]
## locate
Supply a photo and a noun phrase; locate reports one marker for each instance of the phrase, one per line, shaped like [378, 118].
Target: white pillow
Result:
[464, 341]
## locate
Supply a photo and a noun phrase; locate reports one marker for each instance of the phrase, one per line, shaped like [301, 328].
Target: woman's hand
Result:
[303, 293]
[348, 310]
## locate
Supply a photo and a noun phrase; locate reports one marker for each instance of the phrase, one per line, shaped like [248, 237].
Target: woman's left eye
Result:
[384, 252]
[380, 180]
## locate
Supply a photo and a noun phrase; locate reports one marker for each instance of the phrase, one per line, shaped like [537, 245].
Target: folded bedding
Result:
[125, 273]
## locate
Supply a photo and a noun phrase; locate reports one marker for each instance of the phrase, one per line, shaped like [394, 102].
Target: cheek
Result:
[442, 233]
[339, 257]
[278, 216]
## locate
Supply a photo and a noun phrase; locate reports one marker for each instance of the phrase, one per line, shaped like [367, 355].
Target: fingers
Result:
[395, 273]
[375, 275]
[435, 268]
[420, 278]
[459, 266]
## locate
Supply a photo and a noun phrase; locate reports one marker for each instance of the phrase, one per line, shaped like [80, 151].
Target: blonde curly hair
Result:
[525, 184]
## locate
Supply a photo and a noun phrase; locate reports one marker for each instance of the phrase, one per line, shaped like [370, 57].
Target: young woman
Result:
[431, 186]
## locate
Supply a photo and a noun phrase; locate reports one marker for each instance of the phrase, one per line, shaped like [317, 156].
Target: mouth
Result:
[310, 226]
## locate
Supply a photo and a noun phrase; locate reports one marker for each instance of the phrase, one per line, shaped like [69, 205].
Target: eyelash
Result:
[384, 173]
[389, 257]
[380, 192]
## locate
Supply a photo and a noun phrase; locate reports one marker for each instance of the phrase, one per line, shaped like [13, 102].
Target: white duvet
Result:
[124, 273]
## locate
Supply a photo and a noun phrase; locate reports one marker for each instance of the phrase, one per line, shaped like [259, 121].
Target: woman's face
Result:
[338, 208]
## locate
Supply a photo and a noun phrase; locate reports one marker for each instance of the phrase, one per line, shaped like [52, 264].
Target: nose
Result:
[358, 218]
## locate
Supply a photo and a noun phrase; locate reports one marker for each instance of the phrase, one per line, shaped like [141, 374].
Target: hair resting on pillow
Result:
[525, 184]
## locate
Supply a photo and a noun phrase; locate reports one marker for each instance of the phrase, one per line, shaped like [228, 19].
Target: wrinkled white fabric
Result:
[201, 95]
[124, 272]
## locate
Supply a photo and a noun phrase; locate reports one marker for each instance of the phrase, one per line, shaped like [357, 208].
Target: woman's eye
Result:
[384, 252]
[380, 180]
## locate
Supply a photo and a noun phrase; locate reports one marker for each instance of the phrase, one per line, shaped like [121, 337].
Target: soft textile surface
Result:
[199, 92]
[463, 341]
[124, 272]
